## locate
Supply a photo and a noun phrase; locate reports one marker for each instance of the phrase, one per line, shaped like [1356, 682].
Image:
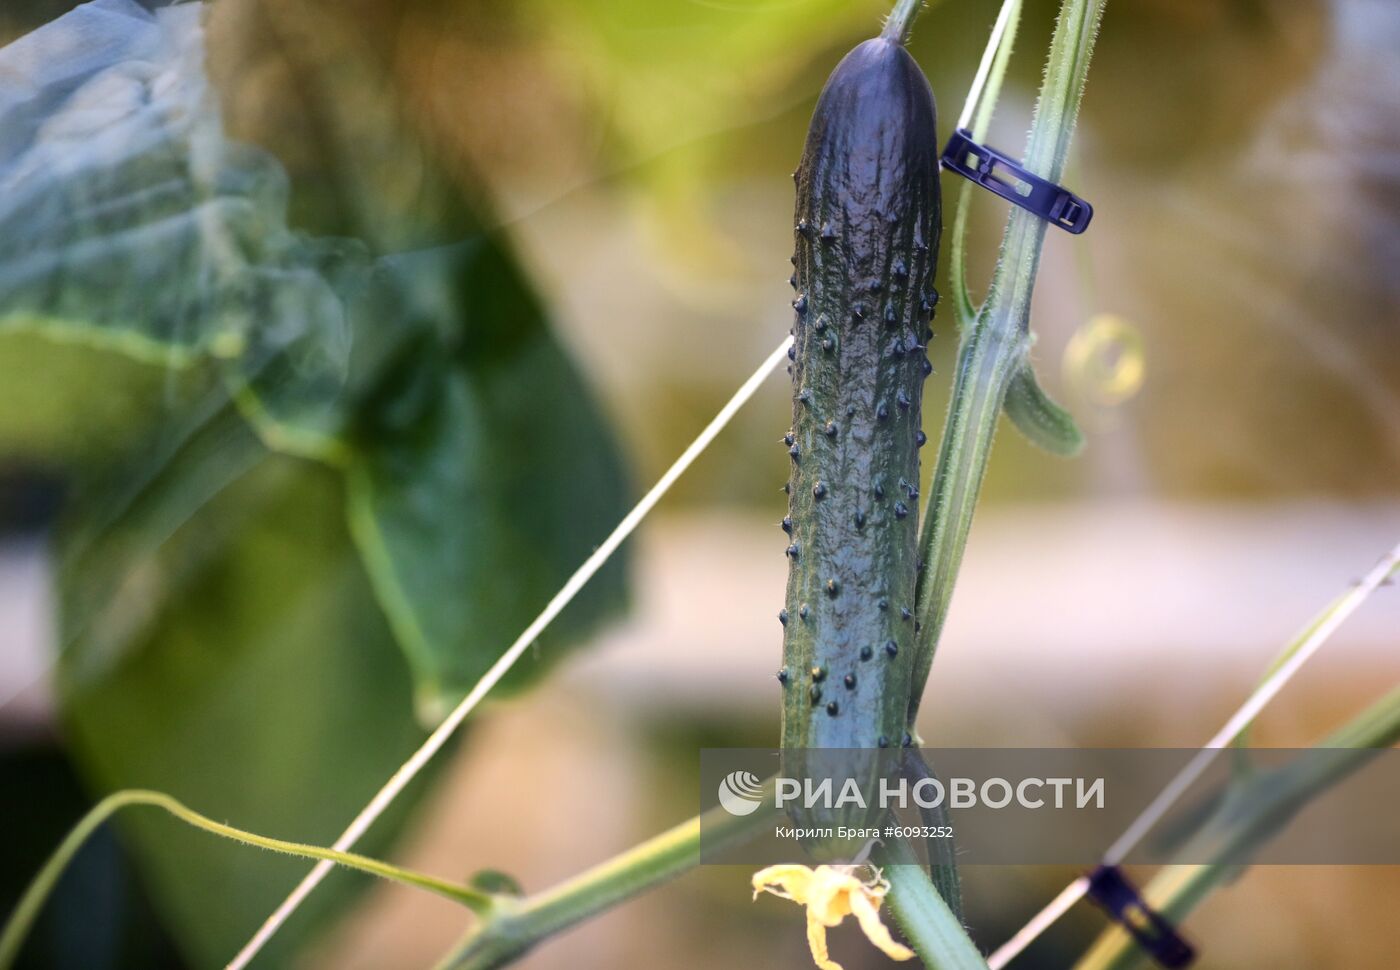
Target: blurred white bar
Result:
[26, 635]
[1060, 608]
[1073, 605]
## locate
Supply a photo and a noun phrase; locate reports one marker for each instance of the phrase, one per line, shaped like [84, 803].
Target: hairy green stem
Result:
[995, 343]
[516, 924]
[30, 904]
[901, 20]
[1255, 810]
[932, 929]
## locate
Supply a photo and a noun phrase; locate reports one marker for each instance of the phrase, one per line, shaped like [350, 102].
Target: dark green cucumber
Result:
[868, 222]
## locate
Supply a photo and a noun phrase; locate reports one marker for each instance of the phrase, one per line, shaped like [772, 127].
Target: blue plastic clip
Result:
[1003, 175]
[1115, 894]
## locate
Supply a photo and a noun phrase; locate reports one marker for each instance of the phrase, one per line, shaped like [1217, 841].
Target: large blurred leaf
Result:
[260, 684]
[669, 77]
[221, 344]
[675, 72]
[151, 234]
[68, 403]
[467, 490]
[483, 473]
[129, 221]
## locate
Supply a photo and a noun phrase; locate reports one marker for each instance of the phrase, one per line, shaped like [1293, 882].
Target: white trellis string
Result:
[444, 730]
[984, 69]
[1344, 607]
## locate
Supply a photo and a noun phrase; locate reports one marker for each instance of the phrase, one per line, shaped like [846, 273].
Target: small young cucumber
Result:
[868, 222]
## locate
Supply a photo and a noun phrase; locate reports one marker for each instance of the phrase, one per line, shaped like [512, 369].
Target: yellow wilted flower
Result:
[831, 893]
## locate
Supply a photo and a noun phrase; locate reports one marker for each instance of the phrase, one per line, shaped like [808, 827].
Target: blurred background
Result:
[244, 558]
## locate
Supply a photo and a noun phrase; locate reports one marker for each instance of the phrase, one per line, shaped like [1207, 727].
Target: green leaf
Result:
[258, 681]
[151, 235]
[200, 310]
[68, 401]
[482, 481]
[131, 222]
[481, 473]
[1039, 418]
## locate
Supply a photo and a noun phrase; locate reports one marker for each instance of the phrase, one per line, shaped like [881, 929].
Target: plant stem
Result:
[30, 904]
[1254, 811]
[992, 351]
[936, 934]
[901, 20]
[515, 925]
[995, 343]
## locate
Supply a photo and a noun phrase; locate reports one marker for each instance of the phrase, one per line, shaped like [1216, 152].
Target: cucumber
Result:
[868, 221]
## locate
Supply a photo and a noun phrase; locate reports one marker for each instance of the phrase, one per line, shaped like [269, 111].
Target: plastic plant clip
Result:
[1112, 891]
[1006, 177]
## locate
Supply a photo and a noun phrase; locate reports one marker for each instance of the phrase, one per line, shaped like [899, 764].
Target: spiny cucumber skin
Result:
[868, 221]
